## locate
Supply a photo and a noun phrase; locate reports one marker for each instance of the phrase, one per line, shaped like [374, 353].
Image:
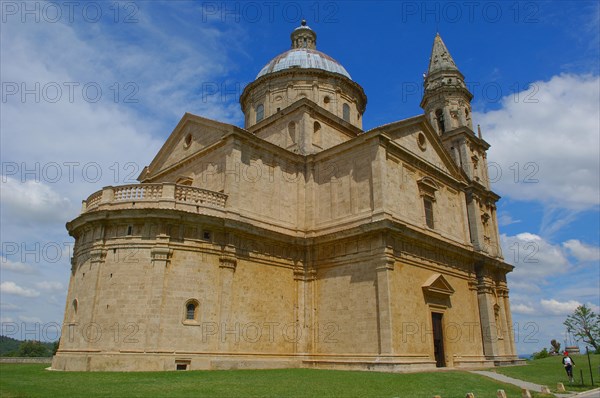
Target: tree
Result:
[555, 347]
[55, 347]
[32, 348]
[584, 324]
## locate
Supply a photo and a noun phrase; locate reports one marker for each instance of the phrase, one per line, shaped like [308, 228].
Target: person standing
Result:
[568, 363]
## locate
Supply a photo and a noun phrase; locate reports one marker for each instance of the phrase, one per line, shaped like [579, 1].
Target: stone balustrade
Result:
[162, 196]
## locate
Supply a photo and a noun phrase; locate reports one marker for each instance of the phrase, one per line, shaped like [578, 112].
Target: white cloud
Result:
[50, 286]
[9, 307]
[47, 145]
[545, 144]
[522, 309]
[30, 319]
[582, 251]
[505, 219]
[534, 258]
[33, 201]
[529, 237]
[16, 266]
[555, 307]
[9, 287]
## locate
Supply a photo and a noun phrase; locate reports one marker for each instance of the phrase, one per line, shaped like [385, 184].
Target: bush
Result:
[542, 354]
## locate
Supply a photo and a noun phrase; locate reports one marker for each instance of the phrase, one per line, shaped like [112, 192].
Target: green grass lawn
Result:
[31, 380]
[549, 371]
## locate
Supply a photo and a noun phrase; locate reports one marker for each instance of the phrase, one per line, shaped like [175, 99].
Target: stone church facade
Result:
[299, 240]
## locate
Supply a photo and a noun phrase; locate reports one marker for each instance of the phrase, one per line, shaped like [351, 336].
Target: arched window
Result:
[260, 112]
[74, 306]
[346, 112]
[439, 115]
[291, 133]
[317, 134]
[191, 310]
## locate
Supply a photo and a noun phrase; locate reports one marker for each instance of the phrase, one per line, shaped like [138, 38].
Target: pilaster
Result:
[227, 266]
[160, 258]
[485, 298]
[384, 266]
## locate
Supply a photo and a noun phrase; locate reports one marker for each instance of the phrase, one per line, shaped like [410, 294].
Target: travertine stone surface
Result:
[300, 241]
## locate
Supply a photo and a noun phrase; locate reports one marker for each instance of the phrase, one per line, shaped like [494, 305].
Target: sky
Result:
[91, 90]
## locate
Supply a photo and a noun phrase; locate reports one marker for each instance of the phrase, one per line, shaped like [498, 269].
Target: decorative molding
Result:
[161, 253]
[438, 285]
[386, 263]
[306, 275]
[228, 261]
[427, 187]
[97, 256]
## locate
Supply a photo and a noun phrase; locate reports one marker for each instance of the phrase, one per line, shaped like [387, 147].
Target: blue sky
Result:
[90, 91]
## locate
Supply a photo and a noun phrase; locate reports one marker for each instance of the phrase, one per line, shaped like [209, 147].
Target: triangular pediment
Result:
[191, 135]
[415, 137]
[437, 284]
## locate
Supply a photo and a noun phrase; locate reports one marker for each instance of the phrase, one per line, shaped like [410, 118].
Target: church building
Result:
[299, 240]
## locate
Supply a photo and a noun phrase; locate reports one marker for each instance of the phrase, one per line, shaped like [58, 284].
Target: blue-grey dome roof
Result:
[303, 58]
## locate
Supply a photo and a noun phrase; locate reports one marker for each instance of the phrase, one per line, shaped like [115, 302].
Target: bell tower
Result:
[447, 105]
[446, 100]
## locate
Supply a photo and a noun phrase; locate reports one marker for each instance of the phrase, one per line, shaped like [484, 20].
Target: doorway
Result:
[438, 339]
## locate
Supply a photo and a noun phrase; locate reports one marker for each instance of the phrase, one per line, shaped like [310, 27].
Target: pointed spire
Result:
[440, 60]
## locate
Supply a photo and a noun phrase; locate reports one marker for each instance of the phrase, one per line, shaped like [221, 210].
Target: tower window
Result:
[428, 206]
[346, 112]
[191, 310]
[439, 115]
[74, 306]
[260, 112]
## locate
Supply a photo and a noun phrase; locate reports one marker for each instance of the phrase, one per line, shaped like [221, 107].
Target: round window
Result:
[422, 141]
[188, 141]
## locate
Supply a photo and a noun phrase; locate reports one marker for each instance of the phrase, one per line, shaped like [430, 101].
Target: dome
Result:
[303, 55]
[303, 58]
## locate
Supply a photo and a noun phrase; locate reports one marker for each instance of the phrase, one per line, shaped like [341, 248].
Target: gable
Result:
[305, 127]
[416, 138]
[192, 134]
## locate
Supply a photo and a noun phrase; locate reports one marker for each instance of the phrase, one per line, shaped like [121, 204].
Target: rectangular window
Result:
[428, 205]
[260, 113]
[183, 364]
[346, 112]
